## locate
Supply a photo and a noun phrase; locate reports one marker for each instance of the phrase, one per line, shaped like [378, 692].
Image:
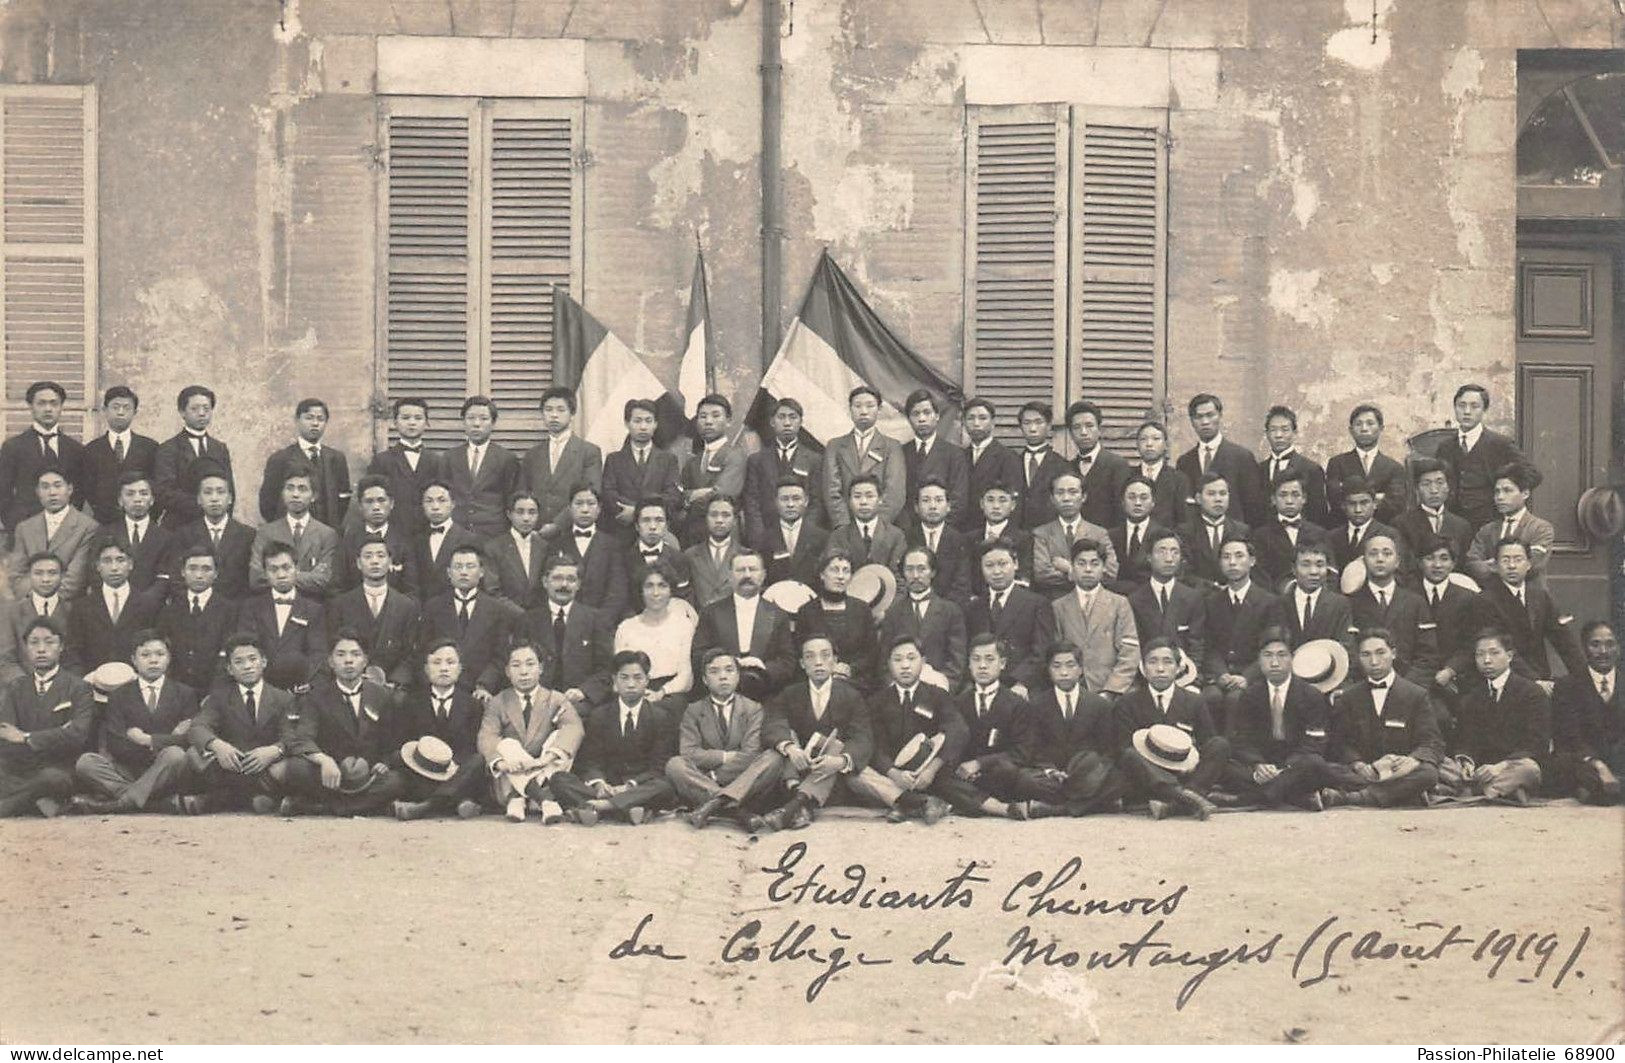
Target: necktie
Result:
[1354, 536]
[1071, 531]
[1464, 446]
[214, 533]
[524, 713]
[252, 705]
[197, 605]
[118, 605]
[981, 704]
[47, 444]
[1606, 690]
[627, 723]
[1382, 600]
[1032, 464]
[41, 686]
[931, 539]
[1235, 600]
[298, 531]
[558, 645]
[197, 445]
[919, 448]
[464, 608]
[152, 696]
[375, 602]
[45, 607]
[648, 554]
[908, 700]
[919, 608]
[790, 537]
[135, 535]
[1433, 592]
[1308, 611]
[639, 454]
[785, 455]
[1134, 541]
[995, 609]
[868, 538]
[1066, 706]
[1162, 599]
[1207, 457]
[1213, 533]
[1507, 527]
[722, 717]
[354, 699]
[442, 708]
[1084, 461]
[1277, 711]
[474, 456]
[1365, 461]
[118, 450]
[1434, 519]
[1495, 695]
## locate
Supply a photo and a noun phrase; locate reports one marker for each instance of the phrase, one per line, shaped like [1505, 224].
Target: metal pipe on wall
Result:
[772, 225]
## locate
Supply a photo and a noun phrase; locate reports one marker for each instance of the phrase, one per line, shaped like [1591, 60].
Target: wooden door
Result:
[1569, 367]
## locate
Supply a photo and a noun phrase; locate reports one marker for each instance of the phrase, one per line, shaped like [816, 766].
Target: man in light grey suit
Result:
[865, 450]
[556, 466]
[1098, 622]
[59, 529]
[528, 734]
[718, 738]
[314, 543]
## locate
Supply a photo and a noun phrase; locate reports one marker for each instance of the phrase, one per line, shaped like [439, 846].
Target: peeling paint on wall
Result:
[1367, 44]
[1296, 293]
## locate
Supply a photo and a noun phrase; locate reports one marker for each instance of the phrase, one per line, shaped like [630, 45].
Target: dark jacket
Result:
[405, 483]
[223, 715]
[1408, 725]
[1518, 724]
[582, 662]
[176, 469]
[789, 718]
[391, 636]
[1387, 479]
[22, 459]
[615, 758]
[196, 653]
[1026, 623]
[327, 724]
[127, 708]
[331, 498]
[1240, 469]
[933, 713]
[102, 470]
[1304, 723]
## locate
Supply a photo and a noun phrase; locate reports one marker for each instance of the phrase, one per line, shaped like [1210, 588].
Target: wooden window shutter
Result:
[1015, 257]
[1119, 214]
[48, 239]
[533, 223]
[430, 283]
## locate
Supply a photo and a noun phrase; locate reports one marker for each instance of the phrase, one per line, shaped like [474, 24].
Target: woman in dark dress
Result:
[848, 622]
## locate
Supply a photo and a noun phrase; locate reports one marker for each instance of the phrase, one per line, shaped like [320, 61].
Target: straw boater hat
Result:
[109, 677]
[789, 595]
[1188, 673]
[1322, 663]
[429, 757]
[1353, 576]
[918, 751]
[1166, 746]
[355, 775]
[1464, 581]
[874, 584]
[1601, 512]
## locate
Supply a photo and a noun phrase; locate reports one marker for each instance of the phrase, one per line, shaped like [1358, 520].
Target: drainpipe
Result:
[772, 224]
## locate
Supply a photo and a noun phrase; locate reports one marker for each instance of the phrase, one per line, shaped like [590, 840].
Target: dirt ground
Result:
[242, 929]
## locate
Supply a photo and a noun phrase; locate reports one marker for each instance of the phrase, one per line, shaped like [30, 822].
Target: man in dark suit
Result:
[1233, 617]
[45, 717]
[1281, 432]
[40, 446]
[288, 624]
[482, 624]
[330, 469]
[1172, 492]
[244, 733]
[1474, 455]
[1456, 610]
[438, 708]
[1021, 618]
[816, 736]
[1214, 453]
[1104, 473]
[602, 570]
[715, 470]
[652, 542]
[998, 522]
[753, 630]
[481, 472]
[932, 530]
[1503, 728]
[991, 462]
[1382, 603]
[934, 622]
[346, 734]
[182, 460]
[910, 716]
[1165, 607]
[927, 457]
[406, 463]
[637, 471]
[150, 544]
[105, 621]
[1275, 542]
[1068, 765]
[1347, 540]
[997, 723]
[385, 617]
[517, 556]
[114, 453]
[197, 620]
[553, 468]
[1205, 532]
[1278, 733]
[1131, 536]
[1588, 721]
[231, 541]
[1040, 465]
[790, 541]
[143, 762]
[1386, 477]
[578, 641]
[379, 522]
[1431, 515]
[620, 769]
[1160, 702]
[1529, 616]
[1385, 742]
[435, 541]
[766, 470]
[1310, 609]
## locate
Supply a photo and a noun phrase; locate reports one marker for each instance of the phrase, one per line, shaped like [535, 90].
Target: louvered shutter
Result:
[533, 212]
[431, 282]
[1118, 301]
[48, 237]
[1016, 261]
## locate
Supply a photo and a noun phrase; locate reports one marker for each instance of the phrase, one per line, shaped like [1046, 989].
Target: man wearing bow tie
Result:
[1276, 541]
[602, 569]
[288, 624]
[1385, 745]
[346, 739]
[436, 539]
[42, 445]
[409, 465]
[182, 459]
[1103, 472]
[651, 542]
[1588, 720]
[330, 469]
[45, 717]
[1021, 618]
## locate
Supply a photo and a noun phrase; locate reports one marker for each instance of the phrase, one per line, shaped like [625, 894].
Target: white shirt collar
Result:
[48, 678]
[1597, 678]
[746, 604]
[867, 525]
[1166, 585]
[990, 692]
[1500, 681]
[1093, 454]
[862, 437]
[55, 600]
[258, 689]
[124, 436]
[1240, 592]
[1473, 436]
[220, 527]
[1151, 471]
[557, 442]
[123, 590]
[375, 592]
[522, 540]
[1086, 596]
[1285, 455]
[53, 520]
[993, 531]
[201, 596]
[1302, 594]
[1214, 444]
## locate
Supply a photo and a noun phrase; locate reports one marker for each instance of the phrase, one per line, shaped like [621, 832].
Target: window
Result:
[481, 220]
[1064, 277]
[48, 244]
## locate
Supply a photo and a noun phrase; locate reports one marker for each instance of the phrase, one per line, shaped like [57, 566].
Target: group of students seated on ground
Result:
[1094, 634]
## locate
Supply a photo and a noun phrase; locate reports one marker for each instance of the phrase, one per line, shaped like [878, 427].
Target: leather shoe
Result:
[264, 804]
[1158, 809]
[896, 815]
[467, 809]
[935, 809]
[702, 815]
[405, 810]
[1018, 810]
[637, 815]
[584, 816]
[1200, 806]
[800, 819]
[49, 807]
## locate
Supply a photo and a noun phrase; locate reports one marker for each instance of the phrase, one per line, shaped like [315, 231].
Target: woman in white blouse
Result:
[665, 631]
